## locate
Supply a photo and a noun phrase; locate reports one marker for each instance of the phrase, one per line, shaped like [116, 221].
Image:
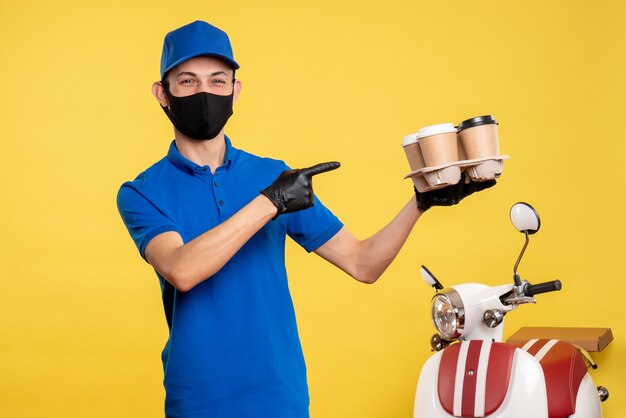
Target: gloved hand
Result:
[450, 195]
[292, 190]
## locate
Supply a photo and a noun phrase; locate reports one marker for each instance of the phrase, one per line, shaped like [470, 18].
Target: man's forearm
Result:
[187, 265]
[366, 260]
[378, 251]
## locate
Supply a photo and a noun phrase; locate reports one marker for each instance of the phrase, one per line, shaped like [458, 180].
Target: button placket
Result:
[219, 196]
[205, 175]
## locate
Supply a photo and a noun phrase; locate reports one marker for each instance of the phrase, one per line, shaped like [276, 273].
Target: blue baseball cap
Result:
[192, 40]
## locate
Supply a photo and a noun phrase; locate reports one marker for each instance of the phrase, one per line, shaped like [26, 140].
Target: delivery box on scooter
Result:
[591, 339]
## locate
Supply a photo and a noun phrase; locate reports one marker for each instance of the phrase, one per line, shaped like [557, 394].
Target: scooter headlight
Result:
[448, 314]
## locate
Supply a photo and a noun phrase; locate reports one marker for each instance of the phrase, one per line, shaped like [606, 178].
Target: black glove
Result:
[450, 195]
[292, 190]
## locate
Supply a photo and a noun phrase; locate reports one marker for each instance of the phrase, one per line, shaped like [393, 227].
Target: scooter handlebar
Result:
[535, 289]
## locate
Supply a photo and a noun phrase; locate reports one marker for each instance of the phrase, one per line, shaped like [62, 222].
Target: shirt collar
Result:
[176, 158]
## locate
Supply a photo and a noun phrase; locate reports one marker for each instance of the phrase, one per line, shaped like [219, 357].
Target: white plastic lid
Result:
[442, 128]
[409, 139]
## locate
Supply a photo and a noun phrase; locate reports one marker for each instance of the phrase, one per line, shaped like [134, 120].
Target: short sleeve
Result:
[142, 218]
[312, 227]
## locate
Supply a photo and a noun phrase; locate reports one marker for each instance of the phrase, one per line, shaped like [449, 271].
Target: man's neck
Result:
[203, 152]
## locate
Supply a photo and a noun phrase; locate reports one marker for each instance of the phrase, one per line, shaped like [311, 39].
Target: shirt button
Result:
[204, 169]
[215, 183]
[221, 202]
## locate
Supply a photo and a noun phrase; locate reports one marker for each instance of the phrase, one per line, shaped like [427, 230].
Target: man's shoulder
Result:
[151, 176]
[249, 158]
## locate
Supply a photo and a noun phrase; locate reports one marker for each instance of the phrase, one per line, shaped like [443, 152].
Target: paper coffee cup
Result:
[438, 144]
[414, 155]
[412, 151]
[479, 137]
[459, 146]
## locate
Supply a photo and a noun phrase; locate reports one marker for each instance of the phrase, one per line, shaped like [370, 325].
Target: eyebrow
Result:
[191, 74]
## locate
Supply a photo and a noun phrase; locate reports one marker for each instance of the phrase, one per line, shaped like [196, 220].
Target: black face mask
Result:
[201, 115]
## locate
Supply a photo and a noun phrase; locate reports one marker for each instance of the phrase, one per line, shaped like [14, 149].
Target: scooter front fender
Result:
[525, 396]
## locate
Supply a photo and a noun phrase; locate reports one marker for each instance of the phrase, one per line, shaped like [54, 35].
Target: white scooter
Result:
[474, 374]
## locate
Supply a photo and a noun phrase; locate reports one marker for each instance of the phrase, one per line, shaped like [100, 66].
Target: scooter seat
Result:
[563, 369]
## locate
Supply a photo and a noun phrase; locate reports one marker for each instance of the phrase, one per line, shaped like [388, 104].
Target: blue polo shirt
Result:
[233, 348]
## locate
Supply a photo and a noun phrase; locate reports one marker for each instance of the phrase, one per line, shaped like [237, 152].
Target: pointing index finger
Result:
[320, 168]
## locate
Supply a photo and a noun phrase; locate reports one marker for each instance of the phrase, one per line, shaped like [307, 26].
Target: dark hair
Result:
[166, 84]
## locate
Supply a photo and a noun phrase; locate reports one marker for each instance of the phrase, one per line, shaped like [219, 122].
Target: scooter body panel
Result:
[587, 400]
[525, 397]
[564, 371]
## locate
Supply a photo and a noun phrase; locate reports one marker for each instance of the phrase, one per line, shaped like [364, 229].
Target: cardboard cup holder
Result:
[481, 169]
[441, 155]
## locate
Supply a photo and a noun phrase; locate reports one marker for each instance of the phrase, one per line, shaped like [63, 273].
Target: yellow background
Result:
[83, 325]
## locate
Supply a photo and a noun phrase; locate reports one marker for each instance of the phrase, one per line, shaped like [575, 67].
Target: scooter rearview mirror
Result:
[525, 218]
[430, 279]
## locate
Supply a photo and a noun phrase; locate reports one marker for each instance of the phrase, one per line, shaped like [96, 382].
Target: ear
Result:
[236, 90]
[158, 90]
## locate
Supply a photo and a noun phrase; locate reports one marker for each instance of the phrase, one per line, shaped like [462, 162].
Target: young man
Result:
[212, 221]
